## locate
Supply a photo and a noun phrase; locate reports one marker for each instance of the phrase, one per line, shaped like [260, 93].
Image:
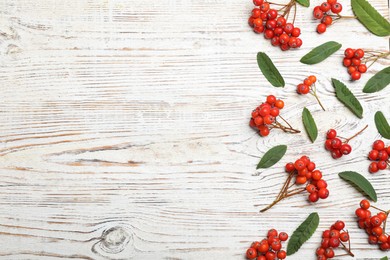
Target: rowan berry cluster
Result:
[308, 86]
[333, 238]
[269, 248]
[334, 144]
[275, 27]
[353, 62]
[379, 155]
[323, 12]
[305, 171]
[264, 117]
[375, 226]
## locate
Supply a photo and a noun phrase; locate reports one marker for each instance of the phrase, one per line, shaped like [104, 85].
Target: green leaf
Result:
[378, 82]
[370, 18]
[305, 3]
[361, 183]
[303, 233]
[310, 124]
[269, 70]
[382, 125]
[347, 98]
[321, 52]
[272, 156]
[384, 258]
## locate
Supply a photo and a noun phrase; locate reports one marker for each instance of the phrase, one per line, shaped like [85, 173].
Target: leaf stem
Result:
[349, 139]
[314, 93]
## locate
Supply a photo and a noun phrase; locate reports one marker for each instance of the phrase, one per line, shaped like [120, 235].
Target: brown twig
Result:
[349, 139]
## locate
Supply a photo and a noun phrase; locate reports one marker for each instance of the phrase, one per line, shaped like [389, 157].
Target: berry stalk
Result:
[358, 133]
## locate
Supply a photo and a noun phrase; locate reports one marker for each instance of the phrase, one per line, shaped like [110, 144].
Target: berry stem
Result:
[347, 249]
[286, 129]
[314, 93]
[349, 139]
[375, 56]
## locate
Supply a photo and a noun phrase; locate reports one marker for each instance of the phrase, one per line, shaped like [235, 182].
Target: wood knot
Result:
[115, 240]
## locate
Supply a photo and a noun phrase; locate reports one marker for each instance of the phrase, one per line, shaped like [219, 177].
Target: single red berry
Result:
[284, 38]
[359, 53]
[331, 134]
[318, 13]
[292, 42]
[275, 41]
[373, 168]
[299, 164]
[303, 89]
[285, 47]
[282, 254]
[270, 255]
[345, 149]
[362, 68]
[278, 31]
[311, 188]
[331, 2]
[349, 53]
[329, 253]
[325, 7]
[279, 104]
[356, 75]
[382, 216]
[327, 20]
[311, 166]
[322, 184]
[321, 28]
[268, 119]
[316, 175]
[300, 180]
[360, 213]
[299, 42]
[264, 7]
[334, 232]
[270, 24]
[328, 144]
[313, 197]
[365, 204]
[378, 145]
[288, 28]
[344, 236]
[326, 234]
[264, 247]
[307, 82]
[336, 8]
[373, 155]
[347, 62]
[356, 61]
[325, 242]
[289, 167]
[334, 242]
[384, 246]
[274, 112]
[336, 153]
[257, 22]
[258, 29]
[258, 121]
[339, 225]
[388, 150]
[375, 221]
[377, 231]
[296, 32]
[272, 233]
[251, 253]
[351, 69]
[336, 142]
[271, 99]
[250, 21]
[382, 165]
[382, 238]
[264, 130]
[256, 12]
[283, 236]
[372, 240]
[276, 245]
[281, 21]
[320, 251]
[258, 2]
[268, 34]
[323, 193]
[272, 14]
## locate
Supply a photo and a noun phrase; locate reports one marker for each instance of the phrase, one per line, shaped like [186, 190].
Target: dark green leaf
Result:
[303, 233]
[272, 156]
[310, 124]
[378, 82]
[321, 52]
[382, 125]
[305, 3]
[370, 18]
[347, 98]
[361, 183]
[269, 70]
[384, 258]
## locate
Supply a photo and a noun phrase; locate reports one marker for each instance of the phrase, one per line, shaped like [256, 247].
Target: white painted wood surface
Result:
[124, 130]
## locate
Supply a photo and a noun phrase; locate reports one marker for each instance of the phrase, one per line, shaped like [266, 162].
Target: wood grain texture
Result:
[124, 130]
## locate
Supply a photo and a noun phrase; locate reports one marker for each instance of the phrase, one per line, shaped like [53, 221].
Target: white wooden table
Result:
[124, 130]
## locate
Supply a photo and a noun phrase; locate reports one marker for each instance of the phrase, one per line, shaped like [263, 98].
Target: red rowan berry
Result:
[268, 34]
[336, 142]
[360, 213]
[321, 28]
[299, 164]
[279, 103]
[313, 197]
[365, 204]
[323, 193]
[377, 231]
[336, 8]
[282, 254]
[336, 153]
[258, 29]
[270, 24]
[278, 31]
[378, 145]
[325, 7]
[329, 253]
[322, 184]
[382, 238]
[349, 53]
[345, 149]
[311, 188]
[326, 234]
[264, 7]
[328, 144]
[373, 168]
[373, 155]
[356, 75]
[275, 41]
[351, 69]
[356, 61]
[281, 21]
[289, 167]
[257, 2]
[331, 134]
[271, 99]
[270, 255]
[268, 119]
[296, 32]
[325, 242]
[284, 47]
[318, 13]
[362, 68]
[256, 12]
[288, 28]
[284, 38]
[300, 180]
[383, 156]
[264, 130]
[382, 165]
[251, 253]
[339, 225]
[263, 248]
[372, 240]
[283, 236]
[316, 175]
[272, 233]
[344, 236]
[382, 216]
[334, 242]
[311, 166]
[347, 62]
[313, 78]
[375, 221]
[359, 53]
[303, 89]
[320, 251]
